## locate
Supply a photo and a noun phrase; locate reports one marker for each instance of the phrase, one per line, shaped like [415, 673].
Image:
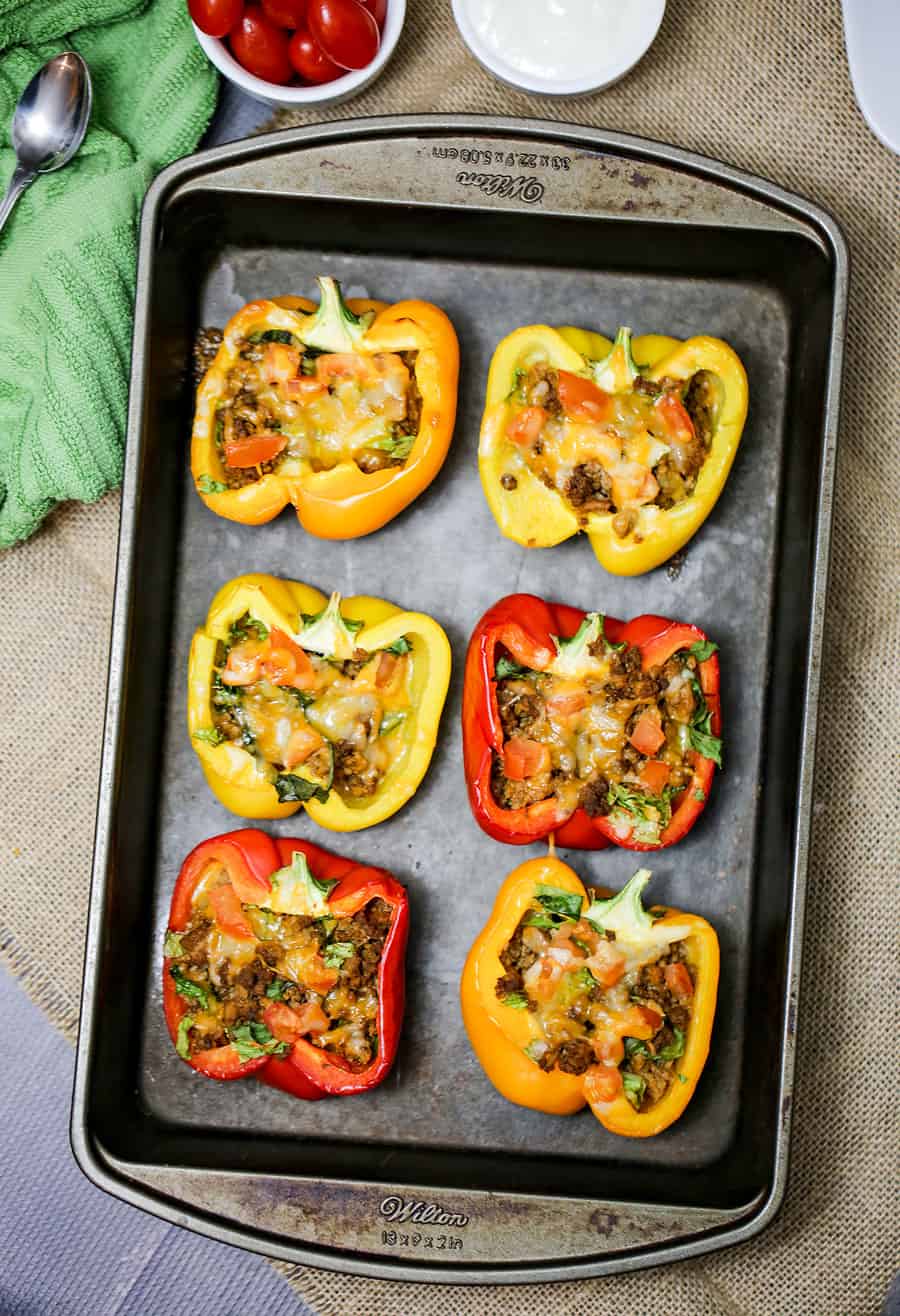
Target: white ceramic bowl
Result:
[646, 17]
[327, 93]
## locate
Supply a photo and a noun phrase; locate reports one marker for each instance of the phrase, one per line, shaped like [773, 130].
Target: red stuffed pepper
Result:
[285, 961]
[600, 731]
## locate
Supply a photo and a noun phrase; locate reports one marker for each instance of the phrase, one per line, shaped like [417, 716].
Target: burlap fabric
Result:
[764, 86]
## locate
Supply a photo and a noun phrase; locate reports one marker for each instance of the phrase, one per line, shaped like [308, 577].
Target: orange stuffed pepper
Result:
[345, 410]
[570, 999]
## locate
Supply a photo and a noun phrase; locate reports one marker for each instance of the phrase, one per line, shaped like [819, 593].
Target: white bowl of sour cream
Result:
[559, 47]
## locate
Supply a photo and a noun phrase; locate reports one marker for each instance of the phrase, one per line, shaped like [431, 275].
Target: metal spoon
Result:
[49, 122]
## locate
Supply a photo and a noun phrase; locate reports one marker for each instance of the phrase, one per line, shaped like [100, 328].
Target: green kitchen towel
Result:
[67, 254]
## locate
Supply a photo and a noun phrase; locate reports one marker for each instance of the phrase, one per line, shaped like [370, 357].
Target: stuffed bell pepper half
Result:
[285, 961]
[345, 410]
[577, 435]
[572, 999]
[296, 700]
[599, 731]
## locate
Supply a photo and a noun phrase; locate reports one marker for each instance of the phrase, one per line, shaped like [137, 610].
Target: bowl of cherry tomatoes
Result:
[299, 52]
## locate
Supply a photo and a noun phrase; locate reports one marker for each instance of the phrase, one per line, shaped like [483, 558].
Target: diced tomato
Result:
[648, 734]
[602, 1083]
[526, 425]
[279, 363]
[627, 480]
[244, 662]
[566, 702]
[675, 419]
[640, 1021]
[649, 489]
[303, 741]
[303, 389]
[288, 1023]
[654, 775]
[524, 758]
[582, 398]
[285, 663]
[228, 912]
[219, 1061]
[609, 1048]
[254, 449]
[607, 964]
[387, 666]
[678, 979]
[340, 365]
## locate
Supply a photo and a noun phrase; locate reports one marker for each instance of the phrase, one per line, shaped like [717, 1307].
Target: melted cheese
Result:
[623, 446]
[356, 411]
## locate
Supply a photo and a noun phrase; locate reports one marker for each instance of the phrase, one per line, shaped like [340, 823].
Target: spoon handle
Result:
[17, 185]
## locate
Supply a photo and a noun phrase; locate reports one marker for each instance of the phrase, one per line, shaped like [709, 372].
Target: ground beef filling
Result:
[571, 1036]
[240, 995]
[587, 487]
[522, 706]
[240, 412]
[206, 344]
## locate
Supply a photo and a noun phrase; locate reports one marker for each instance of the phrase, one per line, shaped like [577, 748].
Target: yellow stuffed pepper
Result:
[571, 1000]
[345, 410]
[577, 436]
[296, 700]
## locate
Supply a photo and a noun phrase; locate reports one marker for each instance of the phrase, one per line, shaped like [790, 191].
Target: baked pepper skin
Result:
[234, 775]
[341, 503]
[525, 624]
[537, 516]
[498, 1035]
[250, 856]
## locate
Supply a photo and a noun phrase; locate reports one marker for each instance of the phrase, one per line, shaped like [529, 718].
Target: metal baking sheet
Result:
[501, 224]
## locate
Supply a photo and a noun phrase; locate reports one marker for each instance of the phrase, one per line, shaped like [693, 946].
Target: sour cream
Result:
[559, 47]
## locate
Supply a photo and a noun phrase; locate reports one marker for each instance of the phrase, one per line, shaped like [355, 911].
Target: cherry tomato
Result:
[261, 47]
[216, 17]
[313, 65]
[345, 30]
[378, 10]
[286, 13]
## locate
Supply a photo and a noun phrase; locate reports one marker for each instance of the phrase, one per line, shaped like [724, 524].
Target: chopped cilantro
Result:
[674, 1049]
[206, 484]
[182, 1043]
[635, 1047]
[395, 445]
[245, 627]
[292, 789]
[634, 1087]
[516, 1000]
[505, 667]
[276, 988]
[518, 376]
[253, 1039]
[224, 696]
[399, 647]
[338, 951]
[536, 918]
[702, 738]
[172, 947]
[303, 697]
[208, 735]
[703, 649]
[700, 794]
[558, 901]
[190, 990]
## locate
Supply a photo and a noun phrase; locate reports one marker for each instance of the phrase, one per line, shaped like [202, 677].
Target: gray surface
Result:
[69, 1250]
[445, 556]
